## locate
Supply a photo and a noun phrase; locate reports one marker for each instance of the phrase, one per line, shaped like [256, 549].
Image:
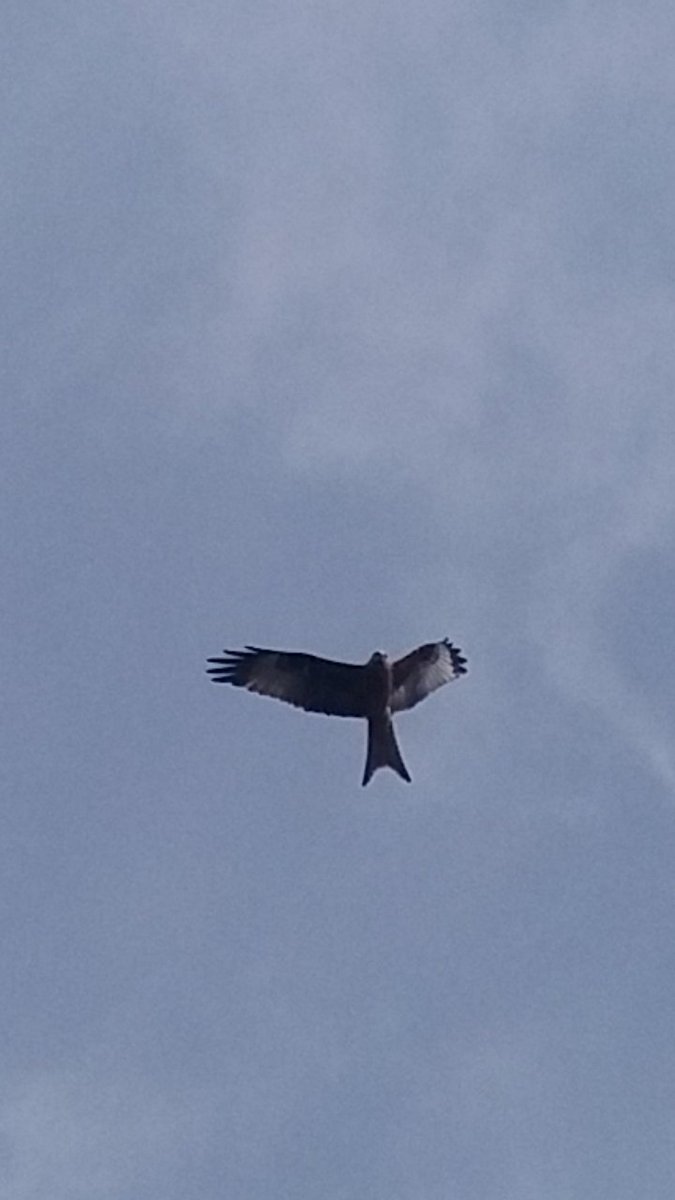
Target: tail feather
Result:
[383, 751]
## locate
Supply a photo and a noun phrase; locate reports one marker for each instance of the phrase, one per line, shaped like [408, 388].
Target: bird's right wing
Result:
[315, 684]
[422, 671]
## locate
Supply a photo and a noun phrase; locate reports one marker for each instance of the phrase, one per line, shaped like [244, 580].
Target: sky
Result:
[337, 327]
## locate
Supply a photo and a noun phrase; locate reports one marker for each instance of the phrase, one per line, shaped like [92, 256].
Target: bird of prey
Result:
[374, 690]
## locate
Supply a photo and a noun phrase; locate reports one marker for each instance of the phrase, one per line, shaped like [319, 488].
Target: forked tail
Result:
[383, 750]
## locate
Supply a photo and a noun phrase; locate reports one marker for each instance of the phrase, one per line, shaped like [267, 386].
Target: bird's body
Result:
[374, 690]
[382, 749]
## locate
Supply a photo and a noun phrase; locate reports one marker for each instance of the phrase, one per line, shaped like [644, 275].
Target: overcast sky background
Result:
[338, 327]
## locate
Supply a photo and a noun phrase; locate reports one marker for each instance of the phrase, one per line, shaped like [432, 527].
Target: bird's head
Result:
[378, 657]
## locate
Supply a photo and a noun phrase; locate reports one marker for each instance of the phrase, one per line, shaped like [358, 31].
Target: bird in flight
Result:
[374, 690]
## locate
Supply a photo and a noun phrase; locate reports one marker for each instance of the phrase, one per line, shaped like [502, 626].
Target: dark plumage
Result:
[373, 690]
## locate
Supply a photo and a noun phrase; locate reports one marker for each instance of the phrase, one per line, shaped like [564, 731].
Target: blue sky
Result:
[335, 328]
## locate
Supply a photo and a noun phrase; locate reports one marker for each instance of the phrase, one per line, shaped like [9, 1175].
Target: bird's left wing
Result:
[315, 684]
[422, 671]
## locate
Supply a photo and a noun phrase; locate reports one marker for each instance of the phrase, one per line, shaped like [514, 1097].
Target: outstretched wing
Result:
[315, 684]
[422, 671]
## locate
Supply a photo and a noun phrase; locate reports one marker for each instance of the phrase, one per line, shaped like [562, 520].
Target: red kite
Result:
[375, 690]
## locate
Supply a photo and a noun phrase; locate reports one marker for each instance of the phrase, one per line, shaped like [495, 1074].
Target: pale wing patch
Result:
[270, 679]
[424, 671]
